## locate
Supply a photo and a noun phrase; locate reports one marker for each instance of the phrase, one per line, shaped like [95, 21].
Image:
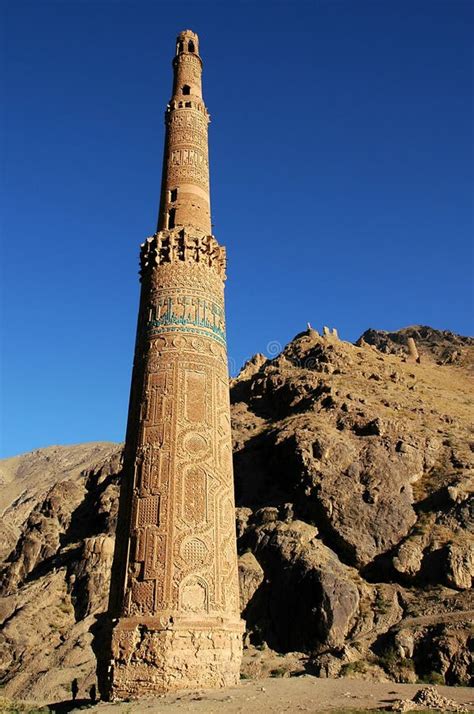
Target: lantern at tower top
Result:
[185, 194]
[187, 66]
[187, 42]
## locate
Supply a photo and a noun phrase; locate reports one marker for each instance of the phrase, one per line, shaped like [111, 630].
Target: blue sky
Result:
[341, 174]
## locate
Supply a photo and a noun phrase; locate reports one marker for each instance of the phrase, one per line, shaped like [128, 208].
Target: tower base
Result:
[156, 655]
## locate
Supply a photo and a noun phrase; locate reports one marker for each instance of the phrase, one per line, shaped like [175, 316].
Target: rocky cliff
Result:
[354, 481]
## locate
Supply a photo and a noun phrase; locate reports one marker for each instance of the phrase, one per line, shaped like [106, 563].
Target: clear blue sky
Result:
[341, 170]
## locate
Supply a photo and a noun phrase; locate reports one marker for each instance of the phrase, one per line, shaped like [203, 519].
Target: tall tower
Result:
[174, 595]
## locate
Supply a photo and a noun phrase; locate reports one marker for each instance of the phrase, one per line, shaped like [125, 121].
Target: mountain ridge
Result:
[354, 482]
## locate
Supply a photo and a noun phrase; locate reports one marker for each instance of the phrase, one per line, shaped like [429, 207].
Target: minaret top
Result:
[187, 65]
[185, 199]
[187, 42]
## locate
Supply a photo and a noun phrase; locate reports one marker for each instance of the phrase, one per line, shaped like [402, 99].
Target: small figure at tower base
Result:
[151, 657]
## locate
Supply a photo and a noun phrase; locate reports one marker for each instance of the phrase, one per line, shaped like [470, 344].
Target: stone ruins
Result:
[174, 600]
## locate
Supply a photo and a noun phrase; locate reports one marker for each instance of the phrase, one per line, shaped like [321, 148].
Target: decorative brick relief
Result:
[193, 596]
[148, 509]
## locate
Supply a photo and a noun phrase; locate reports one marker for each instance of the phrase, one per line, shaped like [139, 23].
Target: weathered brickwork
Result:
[185, 184]
[174, 594]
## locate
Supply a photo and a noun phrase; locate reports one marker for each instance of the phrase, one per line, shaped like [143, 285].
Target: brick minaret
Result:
[174, 594]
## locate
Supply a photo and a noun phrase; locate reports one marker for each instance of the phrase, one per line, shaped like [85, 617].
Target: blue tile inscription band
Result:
[187, 314]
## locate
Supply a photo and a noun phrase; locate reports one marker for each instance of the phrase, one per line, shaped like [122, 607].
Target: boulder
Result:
[250, 578]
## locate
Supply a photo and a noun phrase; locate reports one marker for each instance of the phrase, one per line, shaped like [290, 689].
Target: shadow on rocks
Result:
[69, 705]
[101, 644]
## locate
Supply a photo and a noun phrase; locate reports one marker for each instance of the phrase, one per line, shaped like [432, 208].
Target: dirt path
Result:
[461, 616]
[276, 696]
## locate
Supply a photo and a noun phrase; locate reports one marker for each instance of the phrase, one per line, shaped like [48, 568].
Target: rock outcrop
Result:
[354, 481]
[55, 582]
[442, 346]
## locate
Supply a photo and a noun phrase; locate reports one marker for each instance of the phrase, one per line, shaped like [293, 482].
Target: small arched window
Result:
[191, 46]
[186, 89]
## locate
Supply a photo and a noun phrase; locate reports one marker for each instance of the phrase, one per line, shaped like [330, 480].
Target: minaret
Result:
[174, 595]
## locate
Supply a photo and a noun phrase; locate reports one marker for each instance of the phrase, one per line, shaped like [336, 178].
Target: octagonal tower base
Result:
[151, 656]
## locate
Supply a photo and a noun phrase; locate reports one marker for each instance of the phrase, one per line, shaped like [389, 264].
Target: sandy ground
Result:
[296, 694]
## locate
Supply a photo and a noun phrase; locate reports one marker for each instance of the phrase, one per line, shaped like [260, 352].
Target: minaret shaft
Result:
[185, 186]
[174, 592]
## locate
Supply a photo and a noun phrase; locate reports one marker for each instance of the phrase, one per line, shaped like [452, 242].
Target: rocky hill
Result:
[25, 480]
[441, 345]
[354, 480]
